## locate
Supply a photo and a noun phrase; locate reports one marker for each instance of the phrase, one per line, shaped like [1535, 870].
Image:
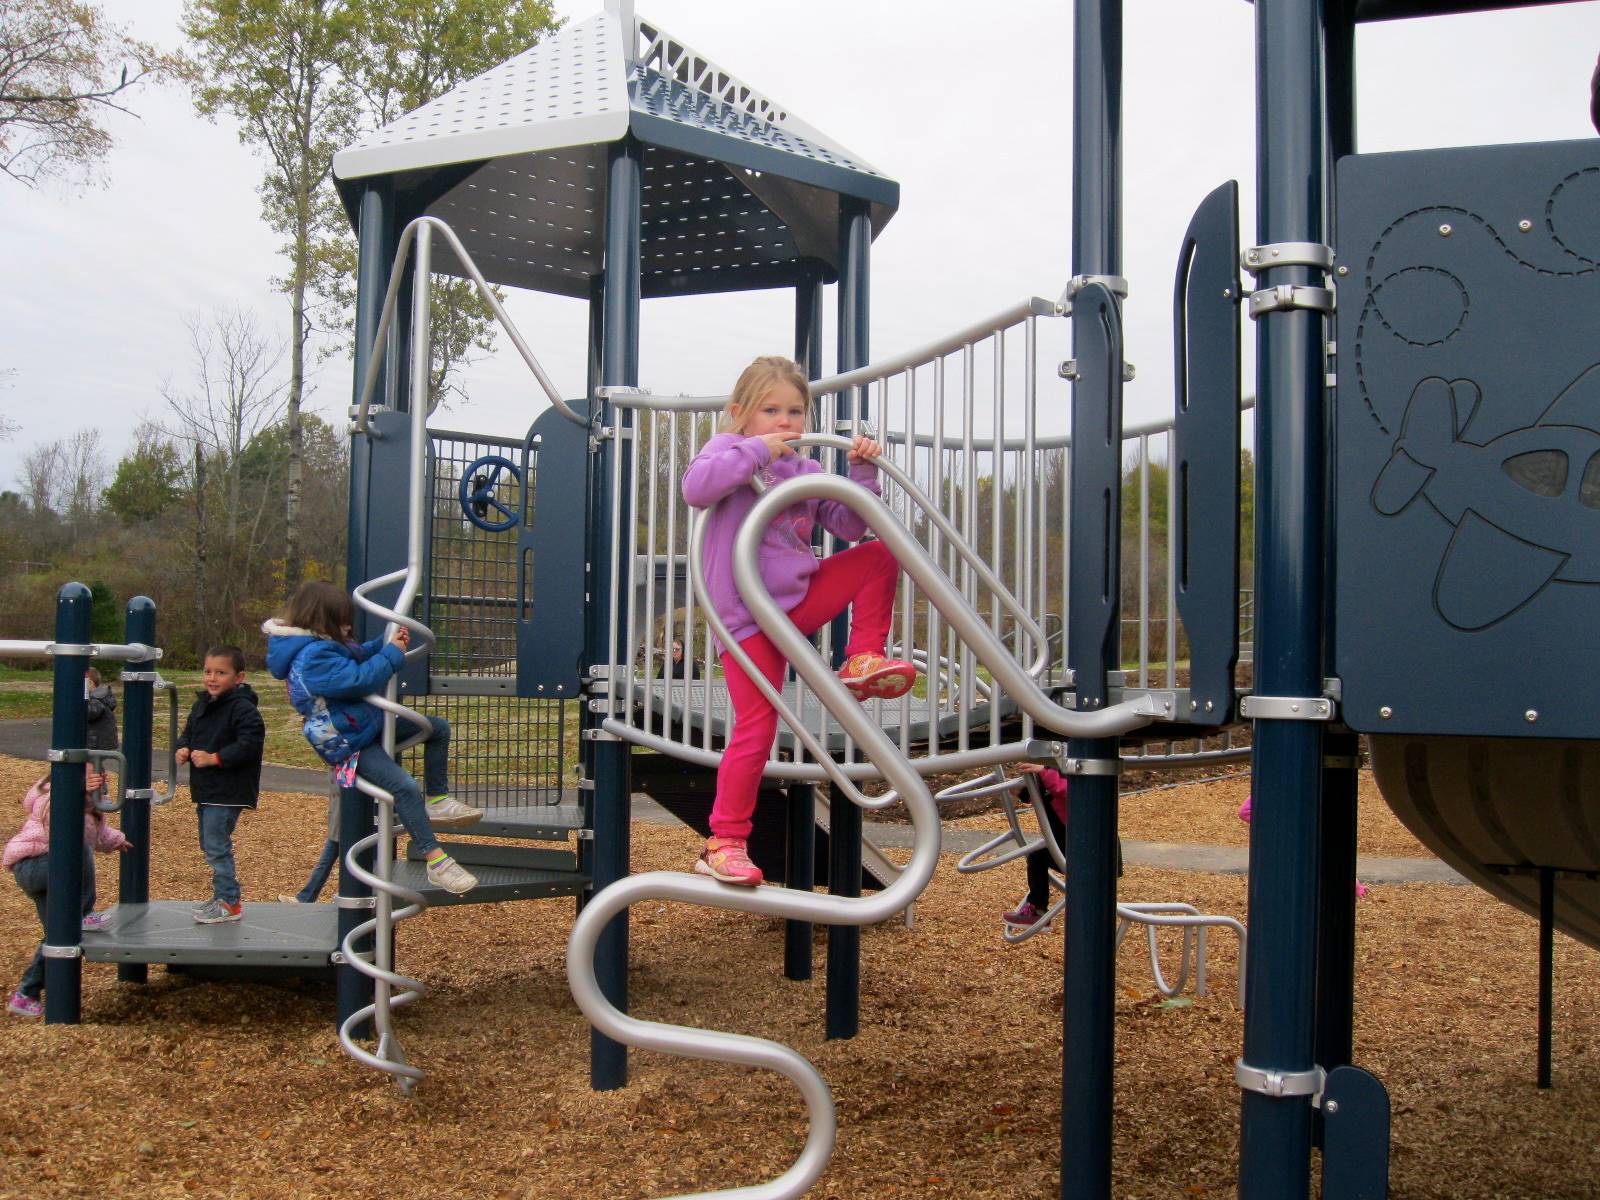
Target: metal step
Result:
[540, 822]
[268, 935]
[488, 854]
[494, 884]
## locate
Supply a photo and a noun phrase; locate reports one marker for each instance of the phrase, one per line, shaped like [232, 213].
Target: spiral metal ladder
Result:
[394, 902]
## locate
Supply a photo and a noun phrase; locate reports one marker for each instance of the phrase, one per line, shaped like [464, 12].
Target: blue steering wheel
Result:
[478, 483]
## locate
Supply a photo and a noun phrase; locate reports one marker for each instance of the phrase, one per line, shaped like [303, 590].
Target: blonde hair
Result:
[755, 381]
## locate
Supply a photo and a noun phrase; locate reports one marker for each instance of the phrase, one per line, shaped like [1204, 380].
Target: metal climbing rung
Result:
[871, 741]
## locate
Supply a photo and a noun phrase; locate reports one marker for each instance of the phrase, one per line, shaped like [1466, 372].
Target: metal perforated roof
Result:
[738, 191]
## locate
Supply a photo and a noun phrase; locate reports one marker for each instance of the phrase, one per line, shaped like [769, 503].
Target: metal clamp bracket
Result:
[1287, 296]
[70, 650]
[362, 902]
[1279, 1084]
[1115, 284]
[139, 794]
[48, 951]
[1287, 254]
[601, 735]
[1286, 708]
[142, 677]
[67, 756]
[1089, 766]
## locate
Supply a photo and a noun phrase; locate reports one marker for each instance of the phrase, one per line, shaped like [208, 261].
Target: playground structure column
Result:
[801, 842]
[844, 824]
[69, 730]
[608, 578]
[138, 716]
[1088, 1030]
[375, 261]
[592, 375]
[1280, 987]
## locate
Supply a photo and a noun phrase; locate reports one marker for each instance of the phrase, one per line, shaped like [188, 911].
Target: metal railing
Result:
[961, 418]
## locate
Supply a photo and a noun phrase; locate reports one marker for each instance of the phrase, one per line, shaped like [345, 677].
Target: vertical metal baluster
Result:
[940, 695]
[647, 480]
[617, 696]
[1172, 564]
[1030, 589]
[671, 632]
[907, 593]
[996, 515]
[969, 520]
[1144, 560]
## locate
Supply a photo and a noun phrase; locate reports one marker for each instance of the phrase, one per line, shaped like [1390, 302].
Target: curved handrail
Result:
[396, 278]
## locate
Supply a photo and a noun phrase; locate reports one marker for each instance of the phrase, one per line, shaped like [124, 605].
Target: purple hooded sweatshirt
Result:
[720, 476]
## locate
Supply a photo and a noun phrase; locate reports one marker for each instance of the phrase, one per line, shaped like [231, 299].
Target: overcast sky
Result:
[967, 106]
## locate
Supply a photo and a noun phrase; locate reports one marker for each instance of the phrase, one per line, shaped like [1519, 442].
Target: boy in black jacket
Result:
[222, 742]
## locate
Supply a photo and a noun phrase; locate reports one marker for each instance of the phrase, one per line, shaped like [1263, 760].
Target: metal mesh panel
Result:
[506, 751]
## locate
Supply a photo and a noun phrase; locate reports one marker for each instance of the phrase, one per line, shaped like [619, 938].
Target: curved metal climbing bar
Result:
[902, 777]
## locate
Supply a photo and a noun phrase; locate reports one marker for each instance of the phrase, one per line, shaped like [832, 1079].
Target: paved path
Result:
[30, 738]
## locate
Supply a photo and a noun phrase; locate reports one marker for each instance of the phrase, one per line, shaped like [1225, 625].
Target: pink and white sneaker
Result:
[25, 1006]
[728, 860]
[873, 677]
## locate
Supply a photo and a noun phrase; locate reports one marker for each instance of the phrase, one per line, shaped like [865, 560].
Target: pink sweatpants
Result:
[862, 578]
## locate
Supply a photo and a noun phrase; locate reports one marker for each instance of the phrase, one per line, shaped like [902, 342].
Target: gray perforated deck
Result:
[494, 883]
[165, 931]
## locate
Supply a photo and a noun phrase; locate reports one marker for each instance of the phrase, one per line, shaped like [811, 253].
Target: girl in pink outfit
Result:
[1037, 903]
[766, 412]
[27, 856]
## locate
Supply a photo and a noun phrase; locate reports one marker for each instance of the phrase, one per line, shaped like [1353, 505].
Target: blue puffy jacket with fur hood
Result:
[327, 680]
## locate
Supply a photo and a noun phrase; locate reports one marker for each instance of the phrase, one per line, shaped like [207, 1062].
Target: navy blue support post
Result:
[1336, 914]
[1547, 958]
[138, 718]
[1088, 1043]
[375, 260]
[1280, 986]
[844, 822]
[69, 730]
[800, 868]
[592, 377]
[613, 785]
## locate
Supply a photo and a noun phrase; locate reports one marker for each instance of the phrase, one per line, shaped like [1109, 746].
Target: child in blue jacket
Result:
[329, 676]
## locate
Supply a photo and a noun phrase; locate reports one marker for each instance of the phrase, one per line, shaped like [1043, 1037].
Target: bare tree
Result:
[42, 478]
[59, 78]
[234, 393]
[82, 477]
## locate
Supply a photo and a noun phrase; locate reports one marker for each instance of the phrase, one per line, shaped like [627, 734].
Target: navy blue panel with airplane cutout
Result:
[1467, 463]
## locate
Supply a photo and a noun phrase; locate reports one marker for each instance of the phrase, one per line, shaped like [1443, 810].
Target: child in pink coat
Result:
[766, 412]
[27, 856]
[1032, 909]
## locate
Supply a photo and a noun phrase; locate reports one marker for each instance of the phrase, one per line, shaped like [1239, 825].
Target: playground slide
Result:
[1499, 810]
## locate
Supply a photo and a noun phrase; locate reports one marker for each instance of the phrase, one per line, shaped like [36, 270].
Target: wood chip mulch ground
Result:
[181, 1087]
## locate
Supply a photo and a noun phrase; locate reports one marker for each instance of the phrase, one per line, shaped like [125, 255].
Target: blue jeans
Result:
[216, 843]
[319, 873]
[33, 877]
[376, 766]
